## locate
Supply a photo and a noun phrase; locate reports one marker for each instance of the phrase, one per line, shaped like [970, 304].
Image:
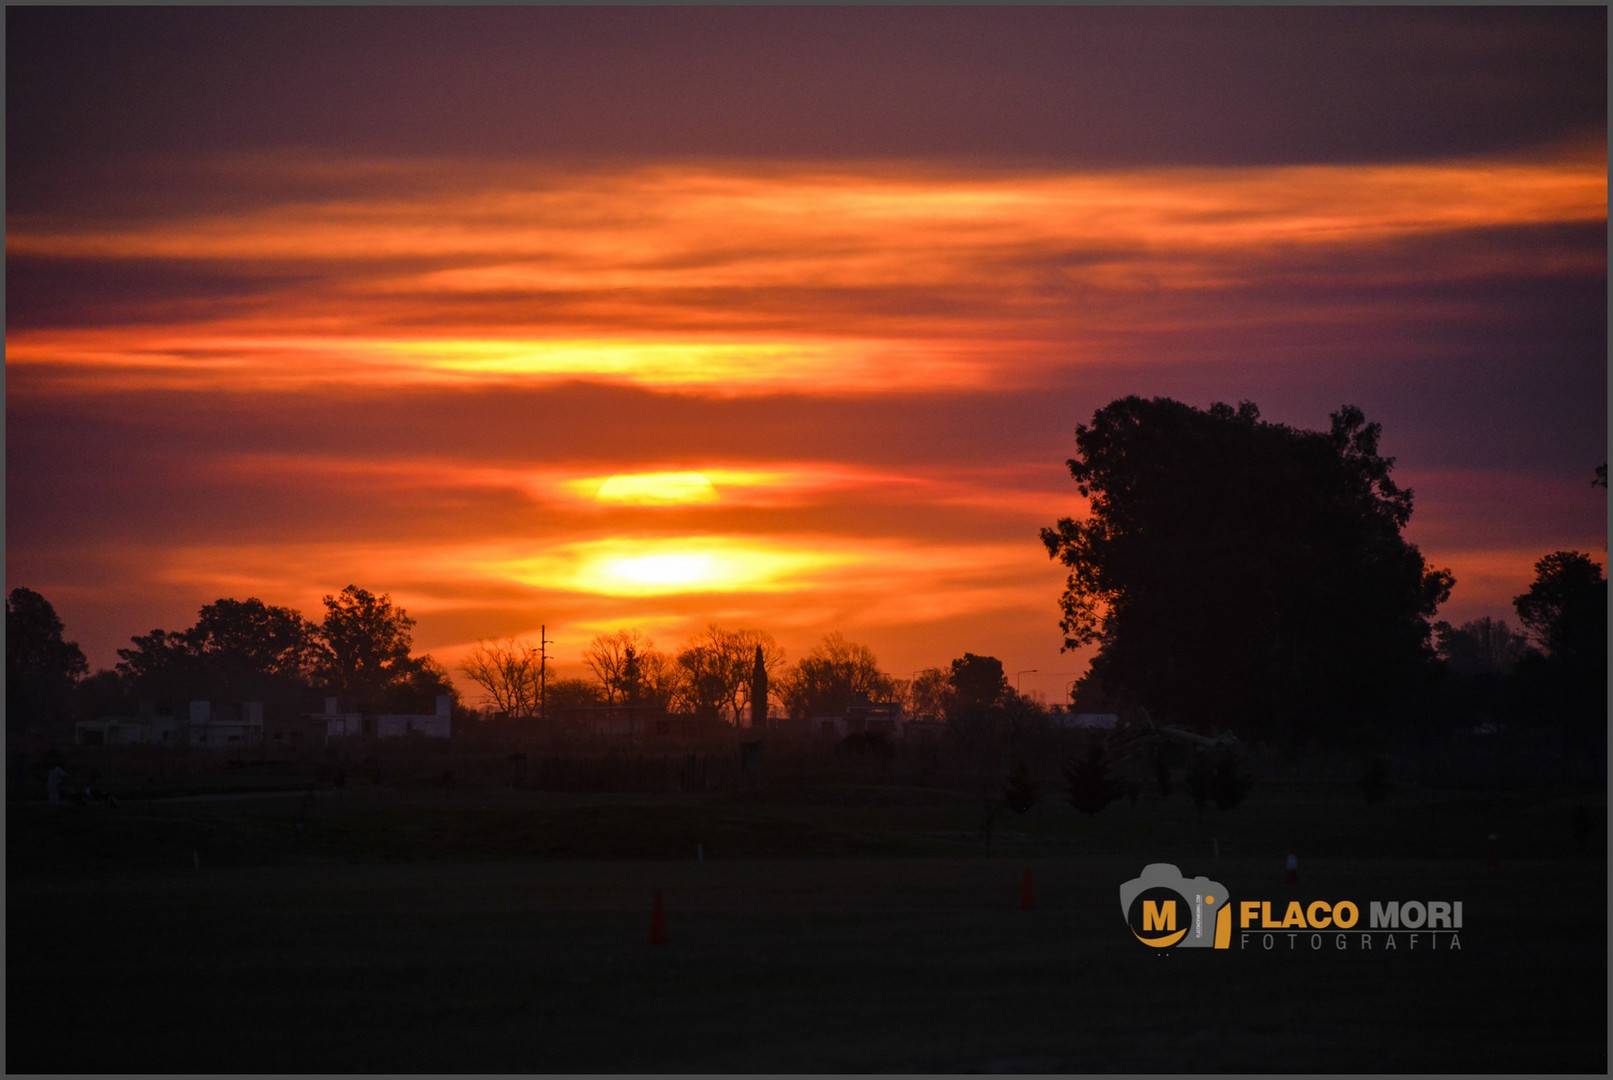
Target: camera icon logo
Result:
[1165, 909]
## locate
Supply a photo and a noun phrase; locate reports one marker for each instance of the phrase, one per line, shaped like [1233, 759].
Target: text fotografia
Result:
[1389, 941]
[1391, 925]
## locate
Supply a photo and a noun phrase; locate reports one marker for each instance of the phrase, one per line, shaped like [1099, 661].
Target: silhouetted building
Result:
[203, 725]
[225, 728]
[127, 731]
[1085, 721]
[435, 725]
[862, 717]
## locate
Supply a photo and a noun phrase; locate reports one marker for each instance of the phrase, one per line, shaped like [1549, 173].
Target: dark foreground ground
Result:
[818, 935]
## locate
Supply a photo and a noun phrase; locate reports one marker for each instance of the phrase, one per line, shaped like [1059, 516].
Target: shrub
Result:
[1091, 788]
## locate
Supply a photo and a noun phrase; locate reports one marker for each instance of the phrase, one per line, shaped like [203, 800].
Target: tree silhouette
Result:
[366, 641]
[925, 695]
[237, 649]
[1090, 785]
[250, 649]
[1243, 574]
[1217, 776]
[617, 661]
[247, 650]
[1566, 607]
[570, 694]
[1482, 646]
[831, 676]
[419, 682]
[1566, 611]
[758, 691]
[715, 669]
[741, 652]
[977, 689]
[41, 666]
[704, 679]
[1480, 658]
[507, 672]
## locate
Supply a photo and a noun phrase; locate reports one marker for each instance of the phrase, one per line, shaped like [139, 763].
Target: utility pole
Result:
[543, 664]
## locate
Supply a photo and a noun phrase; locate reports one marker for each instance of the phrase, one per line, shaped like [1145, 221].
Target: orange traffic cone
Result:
[1027, 896]
[1291, 874]
[658, 922]
[1492, 852]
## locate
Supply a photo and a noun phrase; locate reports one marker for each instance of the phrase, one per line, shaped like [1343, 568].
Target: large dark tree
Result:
[833, 675]
[41, 666]
[1566, 608]
[161, 666]
[1241, 574]
[242, 650]
[977, 691]
[1566, 611]
[256, 649]
[366, 643]
[246, 650]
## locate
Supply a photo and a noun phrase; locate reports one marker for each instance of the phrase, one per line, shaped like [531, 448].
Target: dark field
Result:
[852, 927]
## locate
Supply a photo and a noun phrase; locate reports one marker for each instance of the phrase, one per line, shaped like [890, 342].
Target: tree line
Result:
[361, 652]
[1552, 672]
[1235, 575]
[715, 674]
[237, 650]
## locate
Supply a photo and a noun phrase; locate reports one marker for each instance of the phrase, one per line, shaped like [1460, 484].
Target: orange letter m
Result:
[1159, 915]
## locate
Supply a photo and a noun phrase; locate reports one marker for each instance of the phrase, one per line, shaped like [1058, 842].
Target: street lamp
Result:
[1017, 674]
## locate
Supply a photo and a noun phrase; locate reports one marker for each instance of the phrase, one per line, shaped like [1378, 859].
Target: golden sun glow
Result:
[707, 486]
[692, 565]
[658, 572]
[657, 489]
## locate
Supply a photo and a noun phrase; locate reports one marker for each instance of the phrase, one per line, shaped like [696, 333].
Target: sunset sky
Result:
[776, 318]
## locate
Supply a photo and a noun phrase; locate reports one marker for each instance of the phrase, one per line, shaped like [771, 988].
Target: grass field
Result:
[854, 928]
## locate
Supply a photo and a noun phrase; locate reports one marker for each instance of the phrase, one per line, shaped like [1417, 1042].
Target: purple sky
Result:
[923, 243]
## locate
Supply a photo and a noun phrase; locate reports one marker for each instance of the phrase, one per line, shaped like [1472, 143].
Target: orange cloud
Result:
[742, 279]
[889, 282]
[1038, 491]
